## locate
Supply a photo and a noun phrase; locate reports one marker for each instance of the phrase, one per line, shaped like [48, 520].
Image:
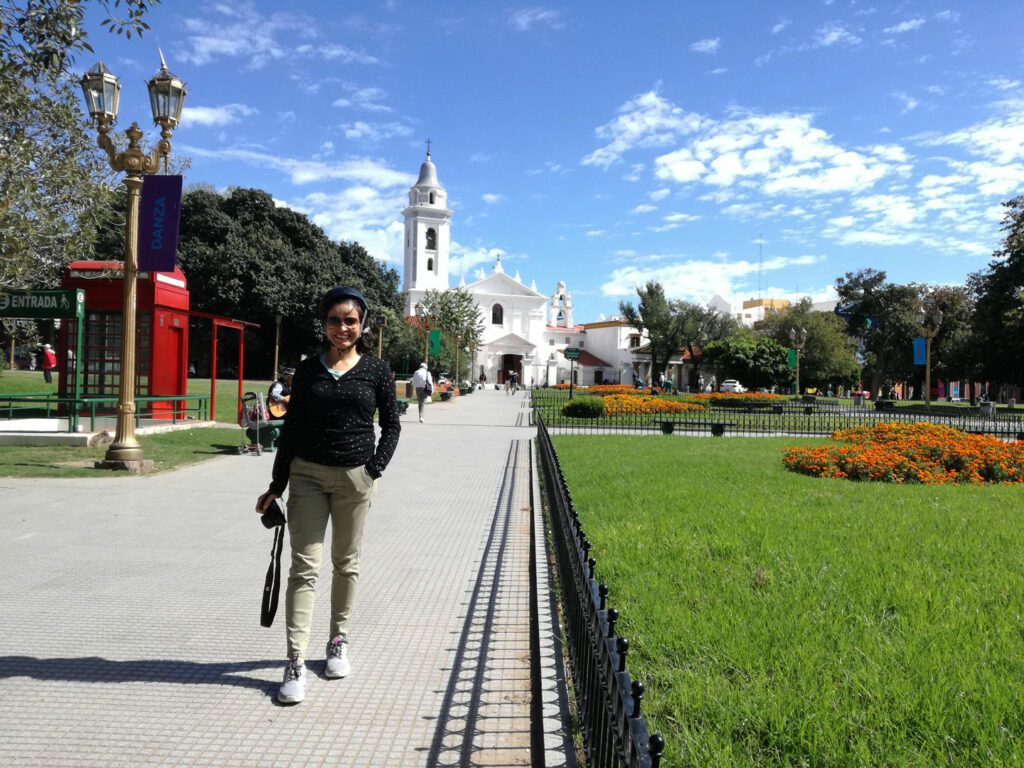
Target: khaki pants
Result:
[317, 494]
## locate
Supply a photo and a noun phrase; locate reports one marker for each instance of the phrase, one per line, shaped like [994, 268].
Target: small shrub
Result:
[584, 408]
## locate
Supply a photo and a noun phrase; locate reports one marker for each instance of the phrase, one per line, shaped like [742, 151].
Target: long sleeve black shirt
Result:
[330, 421]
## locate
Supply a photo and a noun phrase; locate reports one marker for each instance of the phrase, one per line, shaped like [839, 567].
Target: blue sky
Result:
[742, 148]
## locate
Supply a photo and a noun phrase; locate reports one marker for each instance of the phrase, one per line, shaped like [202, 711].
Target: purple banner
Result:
[158, 223]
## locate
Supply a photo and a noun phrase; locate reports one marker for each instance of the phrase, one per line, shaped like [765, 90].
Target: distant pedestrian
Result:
[483, 380]
[48, 363]
[515, 382]
[423, 383]
[328, 453]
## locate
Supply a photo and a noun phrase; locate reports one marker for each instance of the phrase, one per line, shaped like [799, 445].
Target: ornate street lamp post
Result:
[798, 336]
[102, 93]
[930, 321]
[277, 340]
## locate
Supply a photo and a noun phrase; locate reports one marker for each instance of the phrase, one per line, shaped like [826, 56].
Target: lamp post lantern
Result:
[930, 320]
[102, 92]
[798, 336]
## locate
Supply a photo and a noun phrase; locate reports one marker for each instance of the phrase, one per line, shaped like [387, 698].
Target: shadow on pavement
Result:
[93, 669]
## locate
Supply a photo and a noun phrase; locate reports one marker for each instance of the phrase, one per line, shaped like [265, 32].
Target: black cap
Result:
[340, 294]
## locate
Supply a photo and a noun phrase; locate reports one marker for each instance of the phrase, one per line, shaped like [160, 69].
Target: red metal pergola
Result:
[240, 326]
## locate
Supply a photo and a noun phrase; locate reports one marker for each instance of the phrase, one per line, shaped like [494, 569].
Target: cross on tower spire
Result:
[428, 147]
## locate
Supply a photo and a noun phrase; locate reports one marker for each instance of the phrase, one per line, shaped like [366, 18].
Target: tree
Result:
[695, 328]
[997, 338]
[456, 314]
[52, 195]
[757, 361]
[884, 317]
[247, 258]
[827, 355]
[654, 316]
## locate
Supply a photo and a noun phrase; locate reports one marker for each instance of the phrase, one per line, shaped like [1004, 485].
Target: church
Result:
[525, 331]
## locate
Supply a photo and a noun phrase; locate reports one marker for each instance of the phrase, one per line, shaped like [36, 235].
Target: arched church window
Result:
[431, 239]
[497, 315]
[430, 265]
[561, 317]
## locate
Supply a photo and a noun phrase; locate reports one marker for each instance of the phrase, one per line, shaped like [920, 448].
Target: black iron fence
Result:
[793, 417]
[608, 701]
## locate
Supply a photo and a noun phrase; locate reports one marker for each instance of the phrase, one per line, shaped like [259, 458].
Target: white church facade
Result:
[524, 330]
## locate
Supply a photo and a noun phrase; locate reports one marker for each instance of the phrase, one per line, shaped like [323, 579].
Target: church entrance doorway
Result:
[510, 363]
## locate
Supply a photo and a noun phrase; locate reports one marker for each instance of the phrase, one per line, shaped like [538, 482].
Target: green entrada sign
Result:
[42, 304]
[572, 353]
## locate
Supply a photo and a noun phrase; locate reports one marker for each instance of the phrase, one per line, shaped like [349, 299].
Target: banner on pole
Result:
[920, 350]
[791, 359]
[435, 342]
[159, 214]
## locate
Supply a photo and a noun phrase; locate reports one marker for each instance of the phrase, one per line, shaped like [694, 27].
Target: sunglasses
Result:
[336, 322]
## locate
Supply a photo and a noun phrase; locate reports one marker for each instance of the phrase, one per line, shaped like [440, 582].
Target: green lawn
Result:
[782, 620]
[31, 382]
[169, 450]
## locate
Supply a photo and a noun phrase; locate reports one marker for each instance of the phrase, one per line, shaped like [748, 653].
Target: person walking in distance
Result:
[423, 383]
[48, 361]
[328, 456]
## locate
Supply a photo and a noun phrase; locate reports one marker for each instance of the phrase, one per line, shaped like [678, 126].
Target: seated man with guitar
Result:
[279, 394]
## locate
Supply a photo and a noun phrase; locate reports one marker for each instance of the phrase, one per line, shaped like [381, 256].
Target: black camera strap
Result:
[272, 585]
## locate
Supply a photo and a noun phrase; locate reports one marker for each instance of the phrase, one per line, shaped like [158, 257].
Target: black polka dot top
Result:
[330, 420]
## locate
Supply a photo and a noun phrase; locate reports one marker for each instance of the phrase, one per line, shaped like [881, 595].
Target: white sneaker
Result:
[337, 658]
[293, 687]
[421, 419]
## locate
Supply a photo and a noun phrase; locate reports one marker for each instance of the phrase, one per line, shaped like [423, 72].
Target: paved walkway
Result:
[131, 629]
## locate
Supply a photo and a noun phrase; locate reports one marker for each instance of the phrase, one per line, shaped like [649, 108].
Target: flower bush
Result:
[615, 405]
[566, 386]
[931, 454]
[613, 389]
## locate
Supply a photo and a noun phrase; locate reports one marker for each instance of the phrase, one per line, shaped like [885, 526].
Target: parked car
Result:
[731, 385]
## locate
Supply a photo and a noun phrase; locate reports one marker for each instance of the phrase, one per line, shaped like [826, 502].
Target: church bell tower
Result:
[427, 236]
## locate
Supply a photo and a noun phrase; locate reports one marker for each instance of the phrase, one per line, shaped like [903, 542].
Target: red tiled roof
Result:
[592, 360]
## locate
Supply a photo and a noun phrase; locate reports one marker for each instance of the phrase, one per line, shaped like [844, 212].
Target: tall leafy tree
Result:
[998, 337]
[456, 314]
[52, 195]
[827, 355]
[696, 327]
[653, 315]
[247, 258]
[884, 317]
[756, 361]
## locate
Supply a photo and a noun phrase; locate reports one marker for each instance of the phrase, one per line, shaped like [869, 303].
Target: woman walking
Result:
[327, 453]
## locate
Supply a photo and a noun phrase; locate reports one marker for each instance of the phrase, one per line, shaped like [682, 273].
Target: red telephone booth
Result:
[161, 334]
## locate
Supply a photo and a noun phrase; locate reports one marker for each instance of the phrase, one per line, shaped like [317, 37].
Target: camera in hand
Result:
[274, 516]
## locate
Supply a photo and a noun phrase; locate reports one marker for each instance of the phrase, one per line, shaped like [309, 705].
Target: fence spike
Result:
[638, 695]
[602, 592]
[613, 617]
[591, 565]
[622, 646]
[656, 748]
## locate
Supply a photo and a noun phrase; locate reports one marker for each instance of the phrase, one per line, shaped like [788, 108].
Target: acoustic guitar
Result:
[278, 409]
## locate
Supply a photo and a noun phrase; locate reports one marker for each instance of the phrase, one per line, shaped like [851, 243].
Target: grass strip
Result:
[782, 620]
[169, 451]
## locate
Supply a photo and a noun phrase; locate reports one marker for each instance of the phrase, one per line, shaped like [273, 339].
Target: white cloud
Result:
[695, 280]
[646, 121]
[334, 52]
[492, 199]
[358, 170]
[644, 208]
[368, 99]
[660, 194]
[1000, 139]
[708, 45]
[373, 132]
[948, 16]
[464, 258]
[595, 233]
[718, 71]
[909, 102]
[525, 19]
[678, 218]
[780, 25]
[224, 115]
[834, 33]
[1004, 83]
[360, 214]
[904, 26]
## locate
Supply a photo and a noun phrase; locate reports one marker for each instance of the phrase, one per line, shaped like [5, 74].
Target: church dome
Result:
[428, 174]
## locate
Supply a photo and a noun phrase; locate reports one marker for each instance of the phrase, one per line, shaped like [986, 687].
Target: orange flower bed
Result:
[930, 454]
[566, 386]
[734, 396]
[615, 405]
[613, 389]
